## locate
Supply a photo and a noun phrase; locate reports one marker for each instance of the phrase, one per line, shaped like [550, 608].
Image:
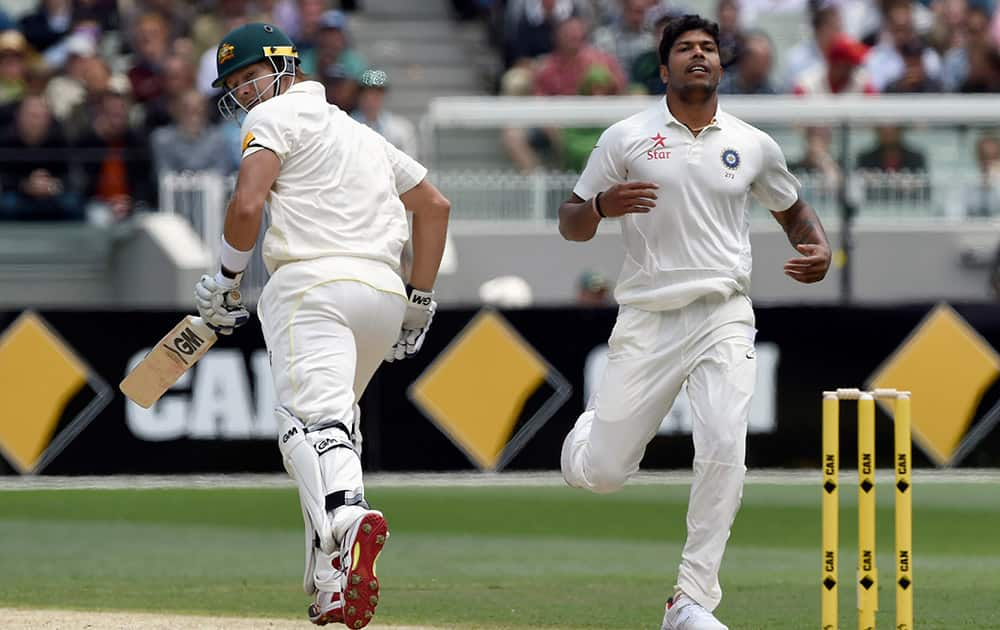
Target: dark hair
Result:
[912, 48]
[822, 16]
[683, 24]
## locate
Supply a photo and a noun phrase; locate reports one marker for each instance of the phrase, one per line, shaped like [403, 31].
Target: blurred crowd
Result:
[99, 97]
[606, 47]
[861, 46]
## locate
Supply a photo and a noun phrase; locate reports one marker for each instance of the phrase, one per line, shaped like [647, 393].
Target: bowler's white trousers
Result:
[709, 345]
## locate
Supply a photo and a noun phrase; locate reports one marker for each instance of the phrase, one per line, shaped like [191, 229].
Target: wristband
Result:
[232, 259]
[597, 206]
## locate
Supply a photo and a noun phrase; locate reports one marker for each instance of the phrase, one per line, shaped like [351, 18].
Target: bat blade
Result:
[167, 361]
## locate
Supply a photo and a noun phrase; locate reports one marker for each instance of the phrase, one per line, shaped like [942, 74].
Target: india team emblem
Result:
[731, 159]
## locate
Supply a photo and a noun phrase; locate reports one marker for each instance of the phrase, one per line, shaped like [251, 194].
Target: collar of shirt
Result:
[673, 121]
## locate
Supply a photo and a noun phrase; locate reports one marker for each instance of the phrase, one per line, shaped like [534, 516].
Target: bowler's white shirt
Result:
[337, 195]
[696, 240]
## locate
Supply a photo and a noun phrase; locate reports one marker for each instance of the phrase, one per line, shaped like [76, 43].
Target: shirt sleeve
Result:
[605, 166]
[406, 171]
[267, 129]
[774, 187]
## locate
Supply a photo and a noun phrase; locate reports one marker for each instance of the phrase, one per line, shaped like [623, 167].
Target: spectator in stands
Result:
[13, 67]
[983, 198]
[208, 30]
[949, 23]
[817, 170]
[178, 78]
[914, 77]
[885, 61]
[97, 81]
[116, 160]
[342, 87]
[891, 154]
[602, 12]
[730, 34]
[842, 73]
[371, 111]
[893, 170]
[817, 156]
[520, 143]
[645, 71]
[560, 72]
[577, 143]
[592, 290]
[179, 15]
[751, 73]
[310, 23]
[984, 71]
[628, 37]
[333, 47]
[102, 13]
[33, 170]
[47, 25]
[975, 35]
[190, 143]
[67, 90]
[812, 52]
[531, 25]
[151, 42]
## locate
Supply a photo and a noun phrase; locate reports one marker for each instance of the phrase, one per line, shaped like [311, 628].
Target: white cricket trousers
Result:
[327, 333]
[709, 345]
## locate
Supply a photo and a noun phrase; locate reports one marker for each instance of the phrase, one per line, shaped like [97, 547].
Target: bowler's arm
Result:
[430, 230]
[258, 172]
[578, 219]
[805, 233]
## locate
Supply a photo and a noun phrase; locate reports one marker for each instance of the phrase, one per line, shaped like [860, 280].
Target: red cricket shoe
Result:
[328, 608]
[358, 552]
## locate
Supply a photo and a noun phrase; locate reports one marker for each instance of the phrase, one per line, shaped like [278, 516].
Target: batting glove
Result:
[419, 313]
[220, 304]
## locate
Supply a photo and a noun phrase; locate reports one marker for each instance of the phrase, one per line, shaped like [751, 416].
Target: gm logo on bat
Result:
[183, 344]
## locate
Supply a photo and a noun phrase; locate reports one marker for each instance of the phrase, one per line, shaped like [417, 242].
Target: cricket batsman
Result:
[677, 176]
[335, 305]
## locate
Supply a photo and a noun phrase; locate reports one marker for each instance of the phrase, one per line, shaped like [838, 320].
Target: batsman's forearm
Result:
[242, 224]
[578, 221]
[430, 231]
[805, 227]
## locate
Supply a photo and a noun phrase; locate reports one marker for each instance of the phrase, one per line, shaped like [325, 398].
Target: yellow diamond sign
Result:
[948, 367]
[476, 390]
[39, 376]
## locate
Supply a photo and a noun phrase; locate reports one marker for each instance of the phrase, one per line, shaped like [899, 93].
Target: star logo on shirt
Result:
[658, 141]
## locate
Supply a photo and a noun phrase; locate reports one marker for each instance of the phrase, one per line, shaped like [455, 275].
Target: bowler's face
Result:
[694, 62]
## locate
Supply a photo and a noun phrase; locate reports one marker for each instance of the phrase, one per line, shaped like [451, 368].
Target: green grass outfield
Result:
[512, 557]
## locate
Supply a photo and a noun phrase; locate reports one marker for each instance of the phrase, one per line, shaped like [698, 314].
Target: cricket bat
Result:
[168, 360]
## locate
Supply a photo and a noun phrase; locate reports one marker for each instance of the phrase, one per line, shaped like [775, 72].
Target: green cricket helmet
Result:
[249, 44]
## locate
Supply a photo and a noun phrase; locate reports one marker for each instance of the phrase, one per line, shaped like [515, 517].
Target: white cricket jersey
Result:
[696, 240]
[337, 195]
